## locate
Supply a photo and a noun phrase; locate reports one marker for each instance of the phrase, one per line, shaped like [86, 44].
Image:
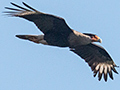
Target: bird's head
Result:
[94, 37]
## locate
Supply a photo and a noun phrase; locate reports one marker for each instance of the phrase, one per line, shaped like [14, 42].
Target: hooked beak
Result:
[96, 39]
[99, 40]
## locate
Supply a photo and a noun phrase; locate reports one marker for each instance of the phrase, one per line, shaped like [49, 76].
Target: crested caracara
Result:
[58, 33]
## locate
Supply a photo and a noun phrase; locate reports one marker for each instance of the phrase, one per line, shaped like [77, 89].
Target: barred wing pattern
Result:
[98, 59]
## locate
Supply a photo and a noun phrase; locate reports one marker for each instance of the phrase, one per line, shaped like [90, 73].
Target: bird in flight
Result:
[58, 33]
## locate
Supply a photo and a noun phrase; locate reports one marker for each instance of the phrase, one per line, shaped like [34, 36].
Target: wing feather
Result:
[55, 28]
[12, 9]
[30, 7]
[98, 59]
[45, 22]
[19, 6]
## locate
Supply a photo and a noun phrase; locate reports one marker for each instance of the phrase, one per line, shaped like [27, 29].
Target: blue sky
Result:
[28, 66]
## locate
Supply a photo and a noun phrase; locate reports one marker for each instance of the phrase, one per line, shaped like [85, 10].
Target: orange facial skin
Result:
[95, 38]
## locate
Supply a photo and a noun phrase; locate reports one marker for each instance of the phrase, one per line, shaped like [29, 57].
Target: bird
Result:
[56, 32]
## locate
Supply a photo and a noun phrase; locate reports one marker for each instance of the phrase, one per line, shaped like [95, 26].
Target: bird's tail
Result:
[34, 38]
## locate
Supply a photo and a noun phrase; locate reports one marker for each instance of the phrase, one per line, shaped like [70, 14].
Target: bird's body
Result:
[77, 38]
[58, 33]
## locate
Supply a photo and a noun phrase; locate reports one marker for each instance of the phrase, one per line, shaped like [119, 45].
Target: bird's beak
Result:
[99, 40]
[96, 39]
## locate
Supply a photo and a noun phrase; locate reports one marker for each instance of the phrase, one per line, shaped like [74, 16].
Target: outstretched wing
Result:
[54, 28]
[45, 22]
[97, 58]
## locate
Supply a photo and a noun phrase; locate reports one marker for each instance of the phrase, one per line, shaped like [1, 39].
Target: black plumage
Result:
[58, 33]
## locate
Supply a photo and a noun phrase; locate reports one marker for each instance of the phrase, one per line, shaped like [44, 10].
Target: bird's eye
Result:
[92, 36]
